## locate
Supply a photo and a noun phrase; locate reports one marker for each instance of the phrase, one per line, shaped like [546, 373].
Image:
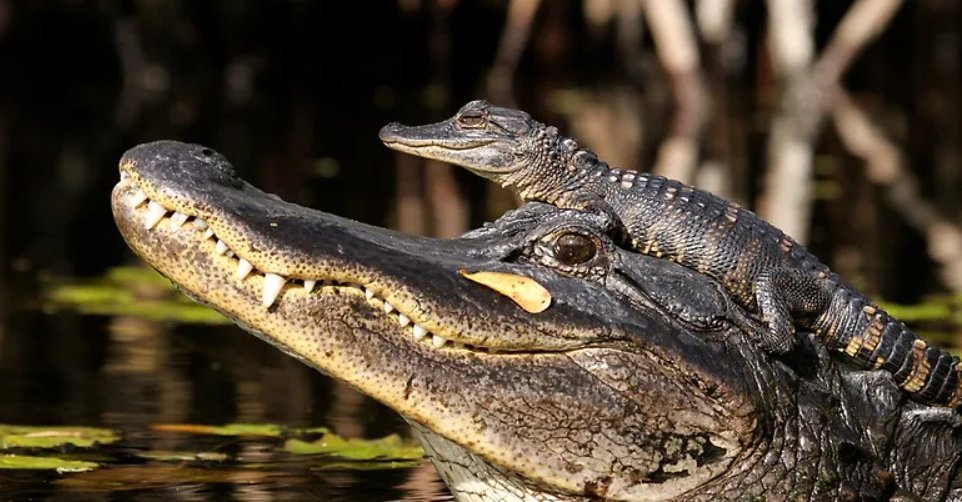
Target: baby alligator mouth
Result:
[155, 217]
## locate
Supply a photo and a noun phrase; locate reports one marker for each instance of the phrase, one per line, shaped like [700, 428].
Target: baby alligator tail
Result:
[872, 339]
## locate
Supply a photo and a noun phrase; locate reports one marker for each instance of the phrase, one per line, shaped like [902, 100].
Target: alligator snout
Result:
[391, 132]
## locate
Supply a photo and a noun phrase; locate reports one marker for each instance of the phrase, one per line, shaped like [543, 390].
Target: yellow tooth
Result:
[419, 332]
[309, 285]
[403, 320]
[139, 198]
[155, 212]
[244, 269]
[525, 291]
[438, 342]
[178, 219]
[273, 284]
[221, 247]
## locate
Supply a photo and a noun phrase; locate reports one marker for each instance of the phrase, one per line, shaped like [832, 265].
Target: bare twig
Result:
[409, 209]
[884, 165]
[674, 36]
[514, 39]
[861, 24]
[716, 172]
[449, 208]
[806, 85]
[787, 201]
[714, 18]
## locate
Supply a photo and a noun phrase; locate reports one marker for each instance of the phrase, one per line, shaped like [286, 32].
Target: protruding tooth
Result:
[388, 308]
[419, 332]
[208, 233]
[155, 212]
[139, 198]
[221, 248]
[309, 285]
[403, 320]
[438, 342]
[200, 224]
[178, 219]
[124, 175]
[230, 254]
[273, 284]
[368, 293]
[244, 269]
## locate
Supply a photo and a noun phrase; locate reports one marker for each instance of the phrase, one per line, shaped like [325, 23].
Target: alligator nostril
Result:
[207, 152]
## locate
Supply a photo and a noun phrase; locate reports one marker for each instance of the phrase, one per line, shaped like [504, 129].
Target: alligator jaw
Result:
[498, 400]
[487, 153]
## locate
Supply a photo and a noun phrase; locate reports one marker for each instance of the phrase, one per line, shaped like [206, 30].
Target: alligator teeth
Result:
[155, 212]
[200, 224]
[388, 308]
[123, 175]
[403, 320]
[273, 284]
[244, 269]
[368, 293]
[208, 233]
[419, 332]
[438, 342]
[221, 247]
[178, 219]
[230, 254]
[309, 285]
[139, 198]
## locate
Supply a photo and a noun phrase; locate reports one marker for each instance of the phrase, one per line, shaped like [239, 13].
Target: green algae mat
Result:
[97, 459]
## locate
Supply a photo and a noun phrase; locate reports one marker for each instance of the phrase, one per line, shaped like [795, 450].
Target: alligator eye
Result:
[472, 121]
[574, 249]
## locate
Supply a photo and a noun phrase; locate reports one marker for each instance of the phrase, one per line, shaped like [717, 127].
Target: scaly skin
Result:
[763, 269]
[634, 384]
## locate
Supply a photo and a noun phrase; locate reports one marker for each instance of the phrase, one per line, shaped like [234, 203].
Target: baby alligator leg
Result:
[784, 297]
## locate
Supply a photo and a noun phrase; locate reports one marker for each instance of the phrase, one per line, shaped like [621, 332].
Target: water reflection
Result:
[128, 373]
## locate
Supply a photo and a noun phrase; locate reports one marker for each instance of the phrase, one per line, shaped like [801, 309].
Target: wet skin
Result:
[635, 383]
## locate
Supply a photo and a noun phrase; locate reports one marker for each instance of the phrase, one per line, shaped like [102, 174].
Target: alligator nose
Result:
[389, 133]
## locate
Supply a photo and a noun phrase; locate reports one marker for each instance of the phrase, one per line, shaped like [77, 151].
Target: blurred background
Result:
[838, 121]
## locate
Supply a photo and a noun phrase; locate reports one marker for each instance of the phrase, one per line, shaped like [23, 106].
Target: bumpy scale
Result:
[763, 269]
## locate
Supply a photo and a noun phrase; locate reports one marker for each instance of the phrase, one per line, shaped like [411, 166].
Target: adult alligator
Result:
[634, 384]
[765, 270]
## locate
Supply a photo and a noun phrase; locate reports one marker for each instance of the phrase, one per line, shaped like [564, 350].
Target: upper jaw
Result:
[441, 136]
[278, 248]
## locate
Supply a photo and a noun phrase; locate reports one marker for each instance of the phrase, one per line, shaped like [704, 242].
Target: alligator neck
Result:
[564, 168]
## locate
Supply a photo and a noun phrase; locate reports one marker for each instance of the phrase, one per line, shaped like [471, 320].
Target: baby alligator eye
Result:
[574, 249]
[472, 121]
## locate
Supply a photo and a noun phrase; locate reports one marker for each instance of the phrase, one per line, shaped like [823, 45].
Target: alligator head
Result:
[632, 383]
[501, 144]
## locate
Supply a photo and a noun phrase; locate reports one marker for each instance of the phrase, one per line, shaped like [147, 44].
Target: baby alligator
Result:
[764, 270]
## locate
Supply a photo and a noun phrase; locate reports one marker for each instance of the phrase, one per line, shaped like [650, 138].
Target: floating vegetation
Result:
[923, 312]
[133, 291]
[47, 437]
[239, 429]
[30, 462]
[390, 447]
[936, 308]
[184, 456]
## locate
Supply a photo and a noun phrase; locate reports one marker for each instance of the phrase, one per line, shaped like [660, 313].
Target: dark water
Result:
[294, 94]
[127, 374]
